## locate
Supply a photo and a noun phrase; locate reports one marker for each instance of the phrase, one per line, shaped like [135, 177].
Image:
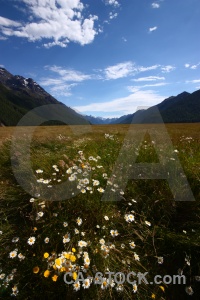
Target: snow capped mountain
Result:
[18, 95]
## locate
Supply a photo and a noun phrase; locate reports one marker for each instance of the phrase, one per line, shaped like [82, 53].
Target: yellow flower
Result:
[62, 269]
[162, 288]
[55, 277]
[73, 250]
[35, 228]
[67, 255]
[58, 262]
[153, 296]
[46, 254]
[36, 270]
[72, 258]
[46, 273]
[74, 275]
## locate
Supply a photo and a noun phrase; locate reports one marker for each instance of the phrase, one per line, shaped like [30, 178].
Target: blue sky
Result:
[103, 57]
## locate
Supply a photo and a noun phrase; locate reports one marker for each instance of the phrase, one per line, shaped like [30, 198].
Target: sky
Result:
[103, 58]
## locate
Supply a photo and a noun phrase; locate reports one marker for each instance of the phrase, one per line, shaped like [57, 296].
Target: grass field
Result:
[53, 218]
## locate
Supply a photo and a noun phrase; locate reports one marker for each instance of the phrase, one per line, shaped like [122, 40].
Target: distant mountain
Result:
[184, 108]
[100, 120]
[120, 119]
[18, 95]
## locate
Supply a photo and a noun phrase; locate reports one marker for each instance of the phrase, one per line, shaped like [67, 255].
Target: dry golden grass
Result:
[51, 132]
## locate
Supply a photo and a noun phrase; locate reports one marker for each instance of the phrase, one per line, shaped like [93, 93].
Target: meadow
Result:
[55, 221]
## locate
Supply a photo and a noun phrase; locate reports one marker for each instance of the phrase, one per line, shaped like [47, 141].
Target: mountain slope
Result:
[18, 95]
[184, 108]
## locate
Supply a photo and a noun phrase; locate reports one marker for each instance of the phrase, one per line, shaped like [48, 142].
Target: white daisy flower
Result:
[2, 276]
[132, 245]
[136, 257]
[79, 221]
[135, 288]
[147, 223]
[39, 171]
[76, 286]
[40, 214]
[66, 238]
[105, 283]
[46, 240]
[21, 256]
[72, 178]
[65, 224]
[129, 218]
[31, 240]
[87, 260]
[102, 241]
[15, 239]
[114, 233]
[82, 244]
[69, 171]
[100, 190]
[13, 254]
[76, 231]
[86, 283]
[95, 182]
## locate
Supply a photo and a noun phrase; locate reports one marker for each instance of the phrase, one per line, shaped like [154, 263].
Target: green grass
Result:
[173, 233]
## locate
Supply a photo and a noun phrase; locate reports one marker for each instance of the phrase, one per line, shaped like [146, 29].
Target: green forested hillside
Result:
[19, 96]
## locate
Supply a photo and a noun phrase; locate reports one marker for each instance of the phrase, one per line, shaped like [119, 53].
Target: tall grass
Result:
[146, 231]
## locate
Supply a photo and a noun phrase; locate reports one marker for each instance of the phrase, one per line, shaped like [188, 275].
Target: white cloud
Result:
[112, 2]
[2, 66]
[125, 69]
[125, 105]
[137, 88]
[193, 81]
[62, 89]
[144, 69]
[193, 67]
[112, 15]
[148, 78]
[64, 80]
[120, 70]
[124, 39]
[58, 21]
[155, 5]
[7, 22]
[152, 28]
[49, 45]
[69, 74]
[3, 38]
[167, 69]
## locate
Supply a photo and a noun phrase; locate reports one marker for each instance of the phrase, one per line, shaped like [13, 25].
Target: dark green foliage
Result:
[183, 108]
[17, 99]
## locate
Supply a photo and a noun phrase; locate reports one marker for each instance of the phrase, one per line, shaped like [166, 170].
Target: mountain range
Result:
[19, 95]
[183, 108]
